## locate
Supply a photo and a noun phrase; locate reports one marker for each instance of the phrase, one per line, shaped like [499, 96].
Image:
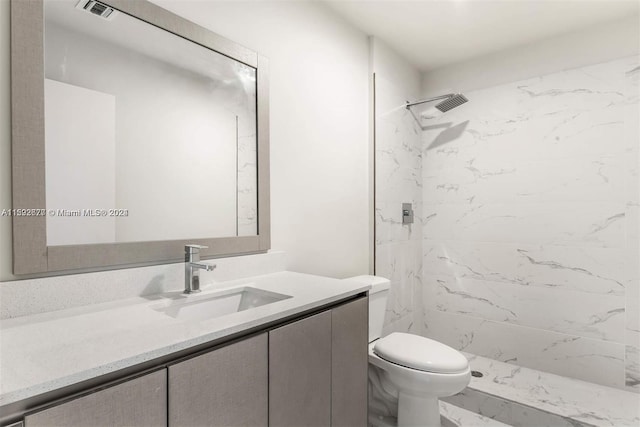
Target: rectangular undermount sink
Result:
[202, 307]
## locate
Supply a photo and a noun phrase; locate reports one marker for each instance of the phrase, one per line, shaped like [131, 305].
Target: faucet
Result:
[192, 266]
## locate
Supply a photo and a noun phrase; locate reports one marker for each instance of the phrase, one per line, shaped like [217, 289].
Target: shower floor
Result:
[454, 416]
[523, 397]
[450, 416]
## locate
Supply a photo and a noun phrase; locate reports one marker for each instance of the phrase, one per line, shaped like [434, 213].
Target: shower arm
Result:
[435, 98]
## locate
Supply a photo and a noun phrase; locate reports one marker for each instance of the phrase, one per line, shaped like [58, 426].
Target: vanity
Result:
[136, 134]
[294, 352]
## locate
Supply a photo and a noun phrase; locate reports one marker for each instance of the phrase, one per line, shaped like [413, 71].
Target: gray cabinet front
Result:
[349, 364]
[139, 402]
[307, 373]
[300, 373]
[225, 387]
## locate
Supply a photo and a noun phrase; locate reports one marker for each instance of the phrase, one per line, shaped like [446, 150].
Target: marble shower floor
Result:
[450, 416]
[454, 416]
[524, 397]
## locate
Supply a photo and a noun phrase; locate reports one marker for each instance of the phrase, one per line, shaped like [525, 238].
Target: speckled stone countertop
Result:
[47, 351]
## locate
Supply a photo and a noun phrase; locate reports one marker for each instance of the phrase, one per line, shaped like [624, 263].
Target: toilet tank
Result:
[378, 295]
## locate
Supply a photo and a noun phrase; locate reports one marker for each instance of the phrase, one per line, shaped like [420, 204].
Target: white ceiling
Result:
[435, 33]
[134, 35]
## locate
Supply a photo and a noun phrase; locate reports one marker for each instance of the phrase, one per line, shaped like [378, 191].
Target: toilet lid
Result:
[423, 354]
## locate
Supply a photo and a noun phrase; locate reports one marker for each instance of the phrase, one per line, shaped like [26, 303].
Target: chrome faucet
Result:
[192, 266]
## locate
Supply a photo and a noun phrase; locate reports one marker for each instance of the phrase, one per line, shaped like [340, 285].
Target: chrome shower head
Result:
[450, 103]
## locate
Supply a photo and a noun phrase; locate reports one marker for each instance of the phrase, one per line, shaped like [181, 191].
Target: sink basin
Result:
[201, 307]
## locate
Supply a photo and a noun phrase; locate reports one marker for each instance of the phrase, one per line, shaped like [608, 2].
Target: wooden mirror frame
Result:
[31, 255]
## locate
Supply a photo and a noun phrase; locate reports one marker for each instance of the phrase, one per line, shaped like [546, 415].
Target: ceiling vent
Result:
[97, 8]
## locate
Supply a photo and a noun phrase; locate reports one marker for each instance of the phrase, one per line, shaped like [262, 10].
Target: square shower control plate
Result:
[407, 213]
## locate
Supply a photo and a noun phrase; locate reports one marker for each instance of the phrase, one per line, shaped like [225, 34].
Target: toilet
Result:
[414, 369]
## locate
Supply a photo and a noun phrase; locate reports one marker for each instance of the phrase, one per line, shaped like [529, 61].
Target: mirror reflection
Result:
[148, 136]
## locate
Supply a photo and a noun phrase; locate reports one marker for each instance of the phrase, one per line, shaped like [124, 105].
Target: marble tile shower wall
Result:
[530, 224]
[398, 180]
[247, 203]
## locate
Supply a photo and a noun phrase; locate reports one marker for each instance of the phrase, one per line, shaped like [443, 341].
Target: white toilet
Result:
[419, 370]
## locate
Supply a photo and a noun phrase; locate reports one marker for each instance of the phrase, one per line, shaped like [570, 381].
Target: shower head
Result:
[451, 103]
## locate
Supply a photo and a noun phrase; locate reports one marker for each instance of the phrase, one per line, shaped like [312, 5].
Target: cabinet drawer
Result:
[225, 387]
[139, 402]
[349, 364]
[300, 373]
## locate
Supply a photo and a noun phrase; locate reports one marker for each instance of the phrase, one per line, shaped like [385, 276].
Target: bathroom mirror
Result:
[135, 132]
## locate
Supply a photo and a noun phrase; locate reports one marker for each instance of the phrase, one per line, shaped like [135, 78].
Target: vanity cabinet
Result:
[349, 363]
[225, 387]
[139, 402]
[318, 369]
[300, 373]
[303, 372]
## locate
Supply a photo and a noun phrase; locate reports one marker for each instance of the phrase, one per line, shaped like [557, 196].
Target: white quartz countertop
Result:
[44, 352]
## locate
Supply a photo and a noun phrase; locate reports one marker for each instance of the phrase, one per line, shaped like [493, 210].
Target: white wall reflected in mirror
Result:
[141, 120]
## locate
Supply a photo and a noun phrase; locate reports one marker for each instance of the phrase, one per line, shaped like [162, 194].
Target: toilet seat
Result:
[420, 353]
[421, 382]
[418, 391]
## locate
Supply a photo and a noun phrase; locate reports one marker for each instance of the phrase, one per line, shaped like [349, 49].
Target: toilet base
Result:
[414, 411]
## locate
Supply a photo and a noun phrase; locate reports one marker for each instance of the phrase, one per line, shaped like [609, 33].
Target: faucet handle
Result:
[194, 249]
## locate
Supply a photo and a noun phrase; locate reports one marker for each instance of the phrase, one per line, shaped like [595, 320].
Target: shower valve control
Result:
[407, 213]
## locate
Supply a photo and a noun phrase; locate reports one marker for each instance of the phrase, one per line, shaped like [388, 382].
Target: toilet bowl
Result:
[420, 385]
[416, 370]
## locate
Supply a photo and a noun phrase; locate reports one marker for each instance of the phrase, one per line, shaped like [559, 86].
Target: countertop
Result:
[45, 352]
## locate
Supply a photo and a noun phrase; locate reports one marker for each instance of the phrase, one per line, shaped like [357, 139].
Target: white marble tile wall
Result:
[530, 250]
[247, 166]
[398, 180]
[247, 185]
[632, 338]
[589, 359]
